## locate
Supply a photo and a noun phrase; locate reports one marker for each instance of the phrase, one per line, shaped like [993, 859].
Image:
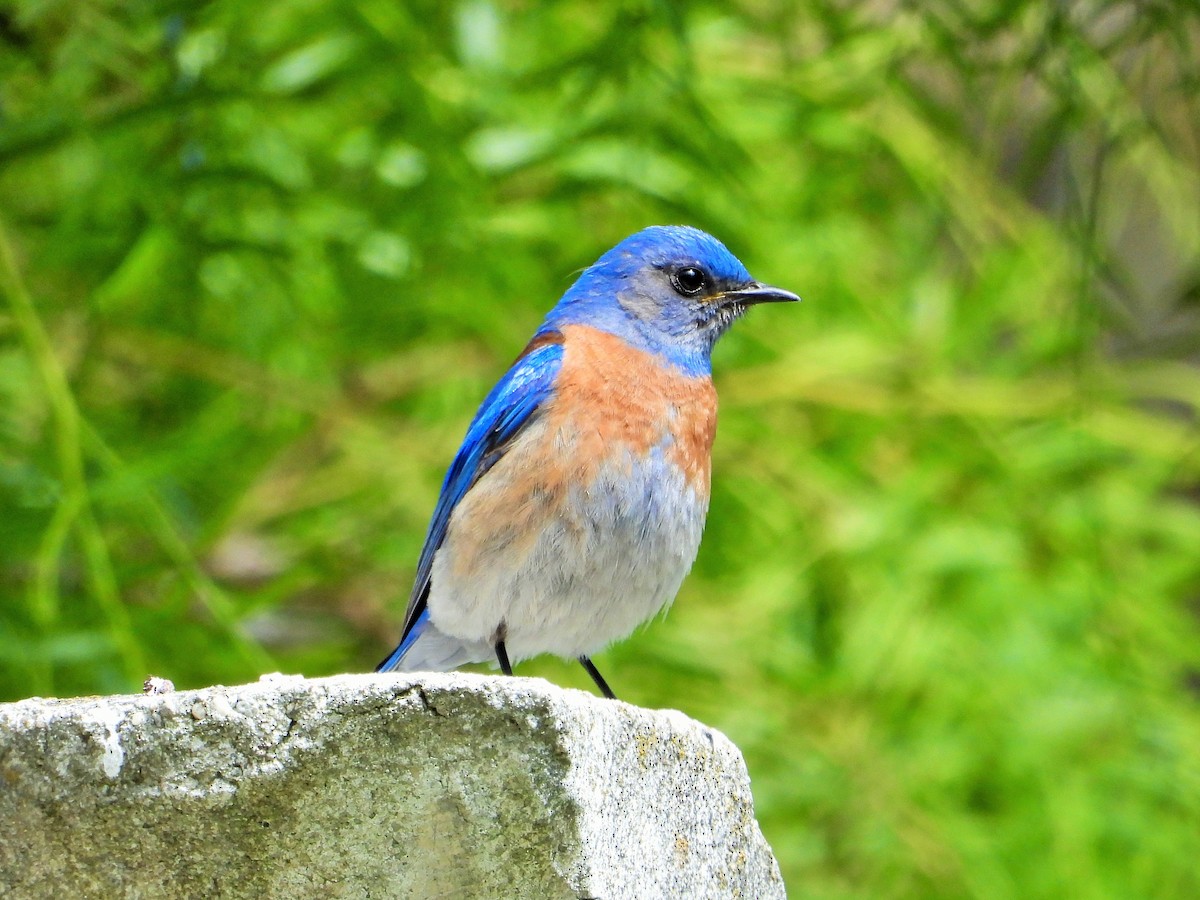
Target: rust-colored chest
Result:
[616, 397]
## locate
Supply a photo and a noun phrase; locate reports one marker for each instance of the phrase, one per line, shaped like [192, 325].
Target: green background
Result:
[259, 263]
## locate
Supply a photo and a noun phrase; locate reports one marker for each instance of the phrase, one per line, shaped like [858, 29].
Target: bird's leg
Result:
[591, 669]
[502, 656]
[501, 652]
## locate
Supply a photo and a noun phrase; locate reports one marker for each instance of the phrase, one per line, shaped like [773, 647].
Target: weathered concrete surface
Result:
[451, 786]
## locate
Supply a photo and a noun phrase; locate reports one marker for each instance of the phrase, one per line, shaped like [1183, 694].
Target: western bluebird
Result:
[574, 507]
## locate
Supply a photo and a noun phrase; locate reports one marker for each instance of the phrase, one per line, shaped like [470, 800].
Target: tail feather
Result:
[425, 649]
[396, 657]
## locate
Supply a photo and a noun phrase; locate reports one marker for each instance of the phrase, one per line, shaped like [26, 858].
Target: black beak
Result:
[756, 292]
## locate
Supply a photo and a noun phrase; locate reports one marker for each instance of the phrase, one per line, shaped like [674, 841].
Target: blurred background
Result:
[260, 262]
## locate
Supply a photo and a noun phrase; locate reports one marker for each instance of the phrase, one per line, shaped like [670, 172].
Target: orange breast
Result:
[611, 396]
[613, 406]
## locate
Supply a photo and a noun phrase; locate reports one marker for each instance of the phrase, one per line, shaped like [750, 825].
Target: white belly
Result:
[569, 570]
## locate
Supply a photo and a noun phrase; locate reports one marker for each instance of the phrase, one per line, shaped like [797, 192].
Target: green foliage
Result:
[260, 262]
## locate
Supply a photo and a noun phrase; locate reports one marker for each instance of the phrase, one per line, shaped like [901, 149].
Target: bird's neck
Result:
[682, 348]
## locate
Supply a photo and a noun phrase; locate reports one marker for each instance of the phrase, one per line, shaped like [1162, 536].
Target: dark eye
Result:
[689, 281]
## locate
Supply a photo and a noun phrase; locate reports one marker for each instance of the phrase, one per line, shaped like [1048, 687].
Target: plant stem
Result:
[75, 507]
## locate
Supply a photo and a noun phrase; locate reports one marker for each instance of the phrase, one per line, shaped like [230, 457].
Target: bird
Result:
[573, 510]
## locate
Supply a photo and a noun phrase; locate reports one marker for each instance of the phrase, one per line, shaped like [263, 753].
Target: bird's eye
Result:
[689, 281]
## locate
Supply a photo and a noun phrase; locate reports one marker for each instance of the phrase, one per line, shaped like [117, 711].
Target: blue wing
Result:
[510, 406]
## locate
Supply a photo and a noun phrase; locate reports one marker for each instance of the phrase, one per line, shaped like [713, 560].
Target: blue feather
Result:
[505, 411]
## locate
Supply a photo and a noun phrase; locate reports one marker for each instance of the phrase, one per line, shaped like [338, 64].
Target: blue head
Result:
[669, 289]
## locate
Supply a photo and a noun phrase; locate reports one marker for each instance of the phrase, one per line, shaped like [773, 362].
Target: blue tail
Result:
[418, 628]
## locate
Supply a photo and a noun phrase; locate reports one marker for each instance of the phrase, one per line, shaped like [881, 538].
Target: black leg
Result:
[502, 656]
[597, 677]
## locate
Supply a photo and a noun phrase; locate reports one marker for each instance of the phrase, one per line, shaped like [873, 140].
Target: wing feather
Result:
[512, 404]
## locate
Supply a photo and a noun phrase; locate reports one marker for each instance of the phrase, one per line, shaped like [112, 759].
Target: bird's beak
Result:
[756, 292]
